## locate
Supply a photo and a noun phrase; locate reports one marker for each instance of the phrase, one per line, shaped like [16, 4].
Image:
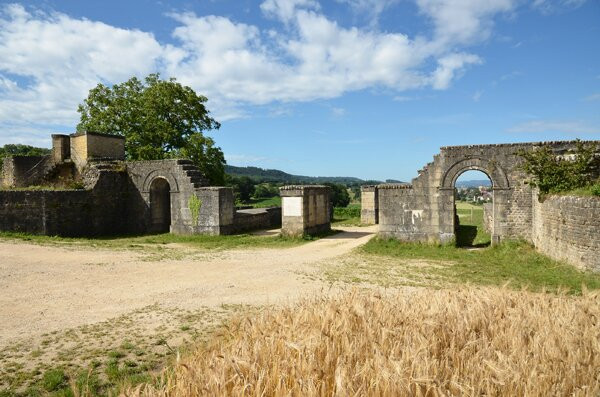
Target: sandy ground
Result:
[48, 288]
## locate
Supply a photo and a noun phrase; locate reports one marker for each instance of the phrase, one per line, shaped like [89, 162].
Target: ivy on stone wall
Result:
[195, 203]
[552, 173]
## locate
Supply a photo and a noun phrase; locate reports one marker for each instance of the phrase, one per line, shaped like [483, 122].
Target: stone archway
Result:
[500, 186]
[160, 206]
[473, 209]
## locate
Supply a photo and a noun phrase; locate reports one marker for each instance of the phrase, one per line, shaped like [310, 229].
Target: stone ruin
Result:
[85, 187]
[424, 210]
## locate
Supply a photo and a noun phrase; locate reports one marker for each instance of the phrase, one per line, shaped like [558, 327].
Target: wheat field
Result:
[422, 342]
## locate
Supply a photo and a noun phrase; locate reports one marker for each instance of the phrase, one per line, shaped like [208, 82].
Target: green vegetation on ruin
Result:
[577, 172]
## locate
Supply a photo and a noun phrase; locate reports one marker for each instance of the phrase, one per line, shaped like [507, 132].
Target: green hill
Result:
[277, 176]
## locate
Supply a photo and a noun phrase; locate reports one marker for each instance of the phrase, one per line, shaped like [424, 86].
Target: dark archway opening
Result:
[160, 206]
[473, 198]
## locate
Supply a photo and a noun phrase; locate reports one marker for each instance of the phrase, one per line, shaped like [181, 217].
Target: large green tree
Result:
[159, 119]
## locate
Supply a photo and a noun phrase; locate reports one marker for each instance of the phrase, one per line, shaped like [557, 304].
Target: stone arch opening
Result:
[160, 205]
[473, 206]
[500, 187]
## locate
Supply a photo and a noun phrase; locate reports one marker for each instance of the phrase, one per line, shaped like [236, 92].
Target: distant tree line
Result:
[21, 150]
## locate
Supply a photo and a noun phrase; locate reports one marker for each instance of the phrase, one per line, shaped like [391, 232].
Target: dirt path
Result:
[45, 289]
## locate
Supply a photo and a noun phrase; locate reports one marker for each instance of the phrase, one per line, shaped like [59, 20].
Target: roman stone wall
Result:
[22, 171]
[61, 147]
[217, 211]
[194, 208]
[86, 146]
[105, 146]
[425, 212]
[78, 150]
[256, 219]
[406, 213]
[306, 209]
[567, 228]
[369, 205]
[68, 212]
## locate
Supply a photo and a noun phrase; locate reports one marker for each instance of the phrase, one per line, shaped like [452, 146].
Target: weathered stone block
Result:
[306, 209]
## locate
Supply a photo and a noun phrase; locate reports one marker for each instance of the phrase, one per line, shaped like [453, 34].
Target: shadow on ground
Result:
[465, 237]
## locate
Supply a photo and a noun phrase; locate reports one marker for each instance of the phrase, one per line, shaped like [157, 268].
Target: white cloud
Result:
[371, 9]
[49, 61]
[244, 160]
[463, 21]
[286, 9]
[551, 6]
[449, 66]
[566, 127]
[593, 97]
[338, 112]
[63, 58]
[404, 98]
[477, 95]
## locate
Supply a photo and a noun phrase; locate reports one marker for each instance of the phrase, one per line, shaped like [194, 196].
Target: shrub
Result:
[552, 174]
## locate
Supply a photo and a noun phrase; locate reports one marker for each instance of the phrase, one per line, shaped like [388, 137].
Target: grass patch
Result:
[265, 202]
[238, 241]
[470, 231]
[100, 359]
[516, 264]
[347, 216]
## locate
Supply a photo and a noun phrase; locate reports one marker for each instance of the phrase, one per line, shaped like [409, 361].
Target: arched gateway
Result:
[160, 206]
[424, 209]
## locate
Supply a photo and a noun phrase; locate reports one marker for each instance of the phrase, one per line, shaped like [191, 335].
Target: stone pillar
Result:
[499, 213]
[369, 205]
[305, 210]
[61, 148]
[211, 210]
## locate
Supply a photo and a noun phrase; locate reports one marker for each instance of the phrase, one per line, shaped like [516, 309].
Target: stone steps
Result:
[191, 171]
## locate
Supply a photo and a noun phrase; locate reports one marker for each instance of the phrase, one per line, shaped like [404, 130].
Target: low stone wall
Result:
[568, 228]
[369, 205]
[306, 209]
[407, 214]
[67, 212]
[21, 171]
[256, 219]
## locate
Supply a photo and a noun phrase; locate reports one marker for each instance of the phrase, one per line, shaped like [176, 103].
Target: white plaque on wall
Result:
[292, 206]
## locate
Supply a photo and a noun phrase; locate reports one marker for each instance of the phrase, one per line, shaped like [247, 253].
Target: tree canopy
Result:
[22, 150]
[159, 119]
[339, 194]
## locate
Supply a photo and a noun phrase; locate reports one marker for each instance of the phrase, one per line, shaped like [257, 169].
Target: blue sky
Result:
[366, 88]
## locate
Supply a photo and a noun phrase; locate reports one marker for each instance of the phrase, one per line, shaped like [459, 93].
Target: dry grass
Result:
[418, 342]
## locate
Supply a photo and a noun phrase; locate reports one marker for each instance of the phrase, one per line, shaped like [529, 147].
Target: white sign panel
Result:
[292, 206]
